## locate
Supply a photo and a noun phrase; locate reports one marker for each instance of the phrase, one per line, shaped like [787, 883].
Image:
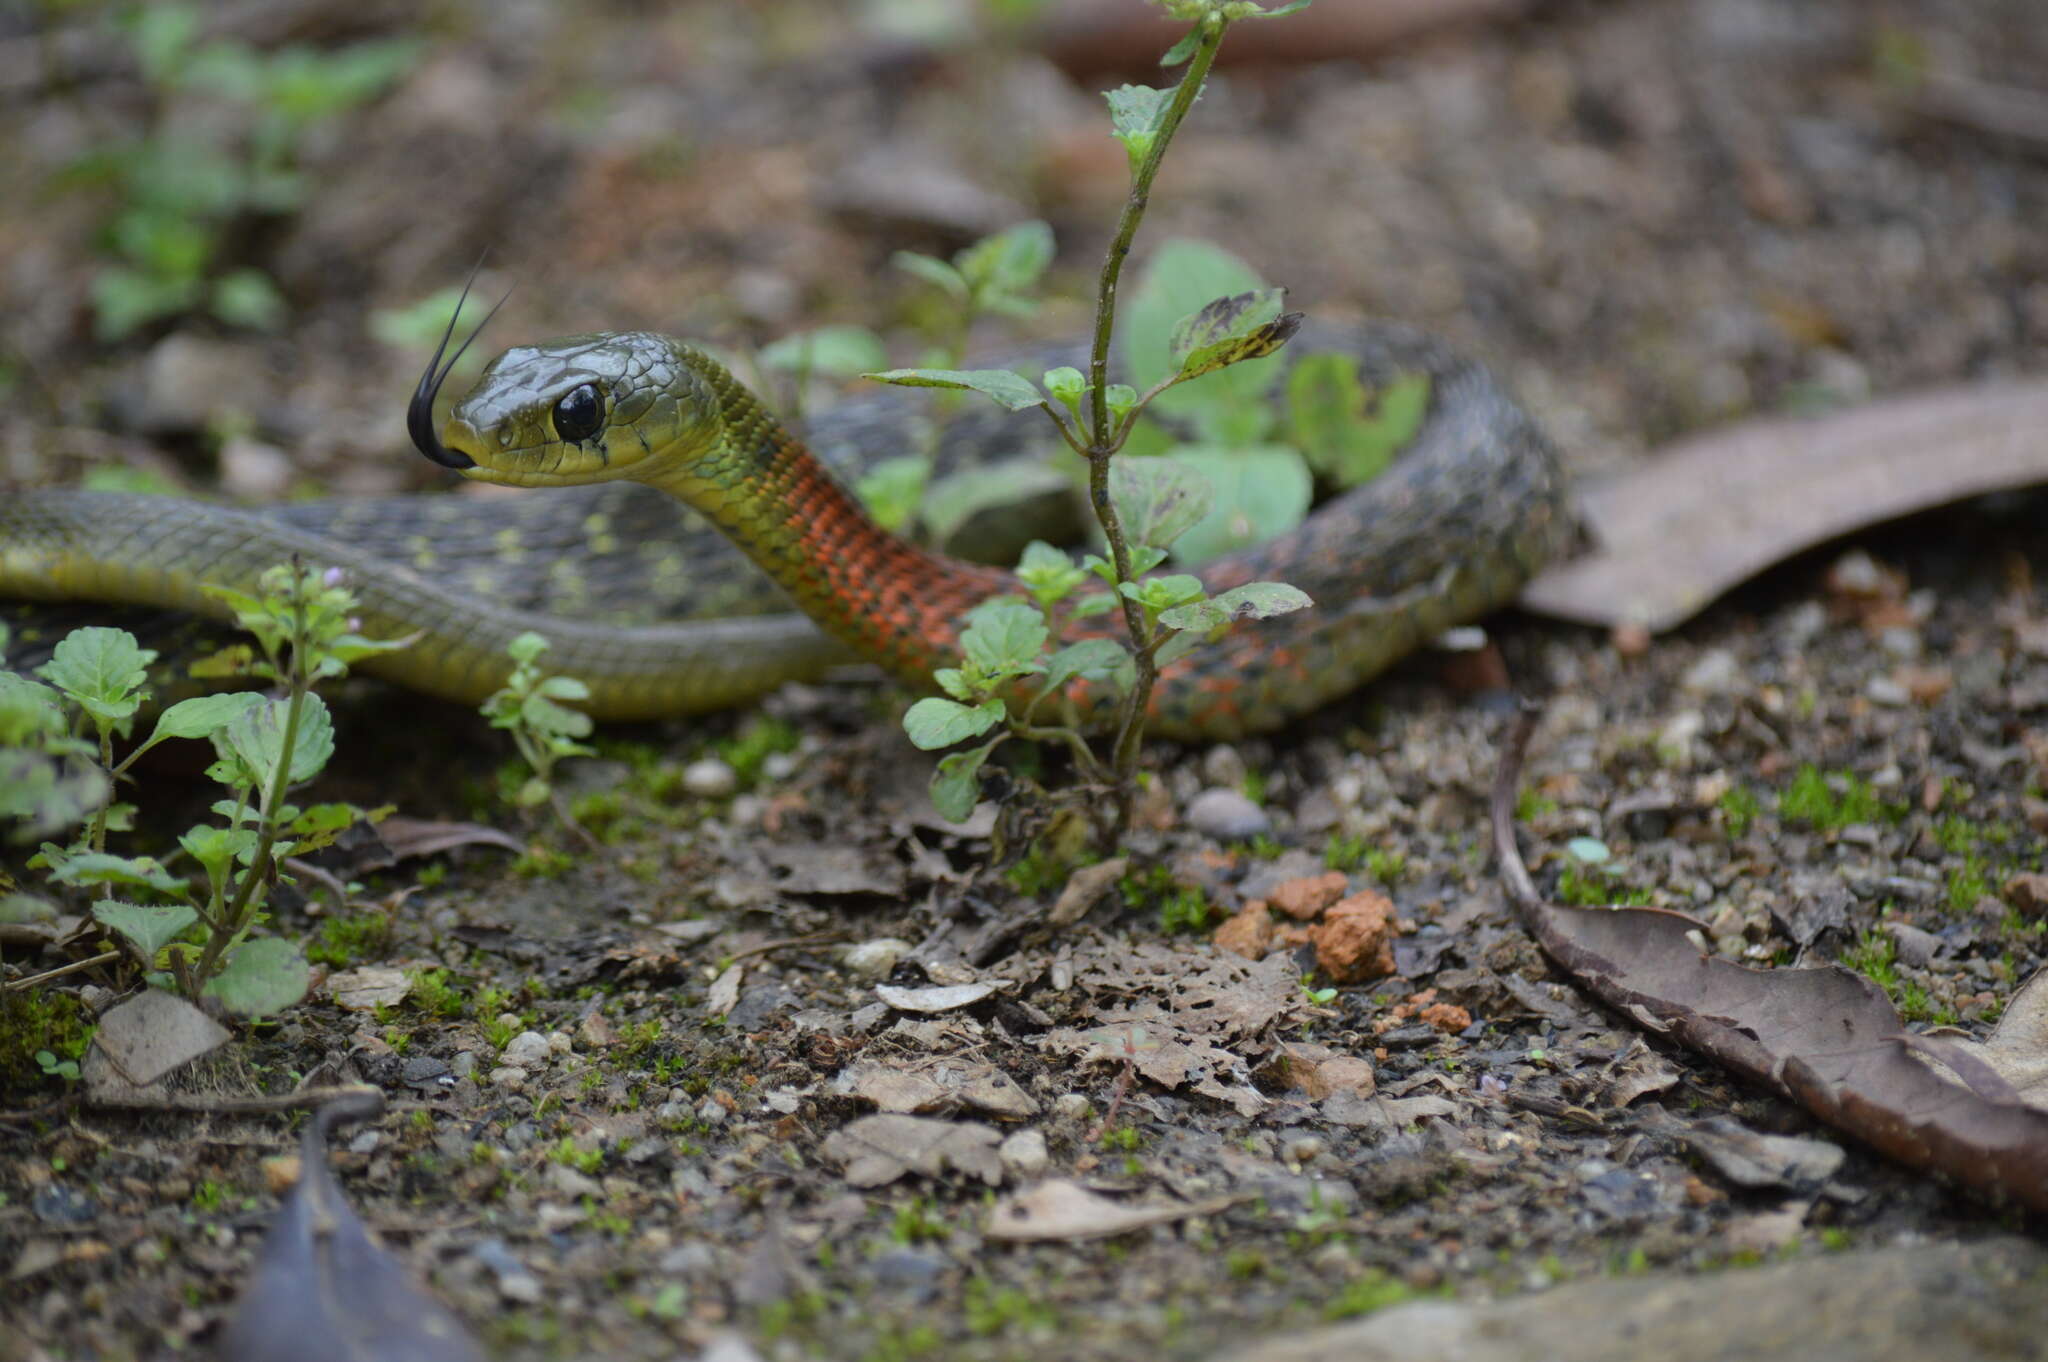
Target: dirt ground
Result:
[647, 1096]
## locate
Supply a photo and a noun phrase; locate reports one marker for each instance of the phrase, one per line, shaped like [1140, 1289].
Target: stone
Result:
[1227, 816]
[710, 778]
[1354, 941]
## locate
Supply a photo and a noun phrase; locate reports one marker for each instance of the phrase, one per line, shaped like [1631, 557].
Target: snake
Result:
[671, 475]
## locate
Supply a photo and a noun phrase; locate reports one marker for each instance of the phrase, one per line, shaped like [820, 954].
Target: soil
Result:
[644, 1098]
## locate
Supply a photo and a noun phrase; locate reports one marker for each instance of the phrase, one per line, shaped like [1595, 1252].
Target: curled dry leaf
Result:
[1827, 1038]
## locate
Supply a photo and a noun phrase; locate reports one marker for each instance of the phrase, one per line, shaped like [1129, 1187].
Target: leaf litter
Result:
[1824, 1036]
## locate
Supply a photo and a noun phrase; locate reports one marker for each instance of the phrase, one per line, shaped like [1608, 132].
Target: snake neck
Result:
[888, 599]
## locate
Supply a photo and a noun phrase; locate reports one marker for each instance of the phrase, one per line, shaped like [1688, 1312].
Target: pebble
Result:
[1024, 1154]
[1227, 816]
[507, 1076]
[710, 778]
[778, 765]
[1883, 690]
[874, 959]
[1303, 1148]
[1222, 765]
[1072, 1106]
[527, 1049]
[1716, 673]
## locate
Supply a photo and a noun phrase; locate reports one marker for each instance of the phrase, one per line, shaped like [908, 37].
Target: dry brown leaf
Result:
[1676, 531]
[880, 1149]
[1065, 1210]
[1828, 1038]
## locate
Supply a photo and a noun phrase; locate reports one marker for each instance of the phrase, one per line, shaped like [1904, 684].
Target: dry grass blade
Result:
[1827, 1038]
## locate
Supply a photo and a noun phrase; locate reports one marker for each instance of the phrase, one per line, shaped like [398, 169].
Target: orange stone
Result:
[1302, 899]
[1354, 941]
[1249, 933]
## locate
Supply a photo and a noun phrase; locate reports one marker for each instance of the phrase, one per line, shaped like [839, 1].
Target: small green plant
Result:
[1364, 1295]
[1589, 877]
[66, 1069]
[917, 1222]
[301, 618]
[1344, 852]
[1011, 669]
[1739, 809]
[1874, 956]
[181, 188]
[991, 1310]
[534, 708]
[1828, 805]
[567, 1152]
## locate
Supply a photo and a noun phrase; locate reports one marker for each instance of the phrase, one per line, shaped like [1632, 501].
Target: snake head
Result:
[575, 410]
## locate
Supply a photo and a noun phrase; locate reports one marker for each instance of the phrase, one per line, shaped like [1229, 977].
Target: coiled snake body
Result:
[659, 620]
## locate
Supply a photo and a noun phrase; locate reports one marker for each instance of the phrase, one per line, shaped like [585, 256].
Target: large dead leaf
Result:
[1827, 1038]
[1186, 1016]
[323, 1290]
[1679, 529]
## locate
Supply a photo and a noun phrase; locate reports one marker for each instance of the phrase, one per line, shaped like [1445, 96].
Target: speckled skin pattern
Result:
[1467, 513]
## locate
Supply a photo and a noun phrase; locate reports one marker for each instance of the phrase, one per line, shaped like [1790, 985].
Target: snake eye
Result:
[579, 413]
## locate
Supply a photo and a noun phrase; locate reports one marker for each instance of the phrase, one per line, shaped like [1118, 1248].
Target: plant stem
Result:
[1130, 723]
[235, 920]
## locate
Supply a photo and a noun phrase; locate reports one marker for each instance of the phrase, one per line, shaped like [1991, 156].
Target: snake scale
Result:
[659, 617]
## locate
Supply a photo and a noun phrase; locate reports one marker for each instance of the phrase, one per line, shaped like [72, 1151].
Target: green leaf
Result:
[101, 669]
[1185, 48]
[956, 784]
[217, 848]
[1003, 265]
[527, 647]
[932, 270]
[952, 681]
[1163, 593]
[320, 825]
[150, 926]
[933, 723]
[543, 715]
[1350, 434]
[836, 351]
[1222, 319]
[100, 867]
[892, 489]
[1091, 659]
[1261, 492]
[1257, 343]
[1158, 500]
[1066, 385]
[203, 715]
[1136, 115]
[261, 977]
[1048, 573]
[1182, 276]
[255, 739]
[1252, 601]
[1012, 391]
[953, 501]
[246, 297]
[1004, 636]
[1177, 645]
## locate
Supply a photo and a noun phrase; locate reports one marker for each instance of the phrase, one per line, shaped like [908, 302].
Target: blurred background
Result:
[230, 230]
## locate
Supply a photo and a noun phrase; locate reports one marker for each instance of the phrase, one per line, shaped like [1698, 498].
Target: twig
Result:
[16, 985]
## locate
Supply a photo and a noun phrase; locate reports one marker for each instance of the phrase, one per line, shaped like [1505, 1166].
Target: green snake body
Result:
[1470, 509]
